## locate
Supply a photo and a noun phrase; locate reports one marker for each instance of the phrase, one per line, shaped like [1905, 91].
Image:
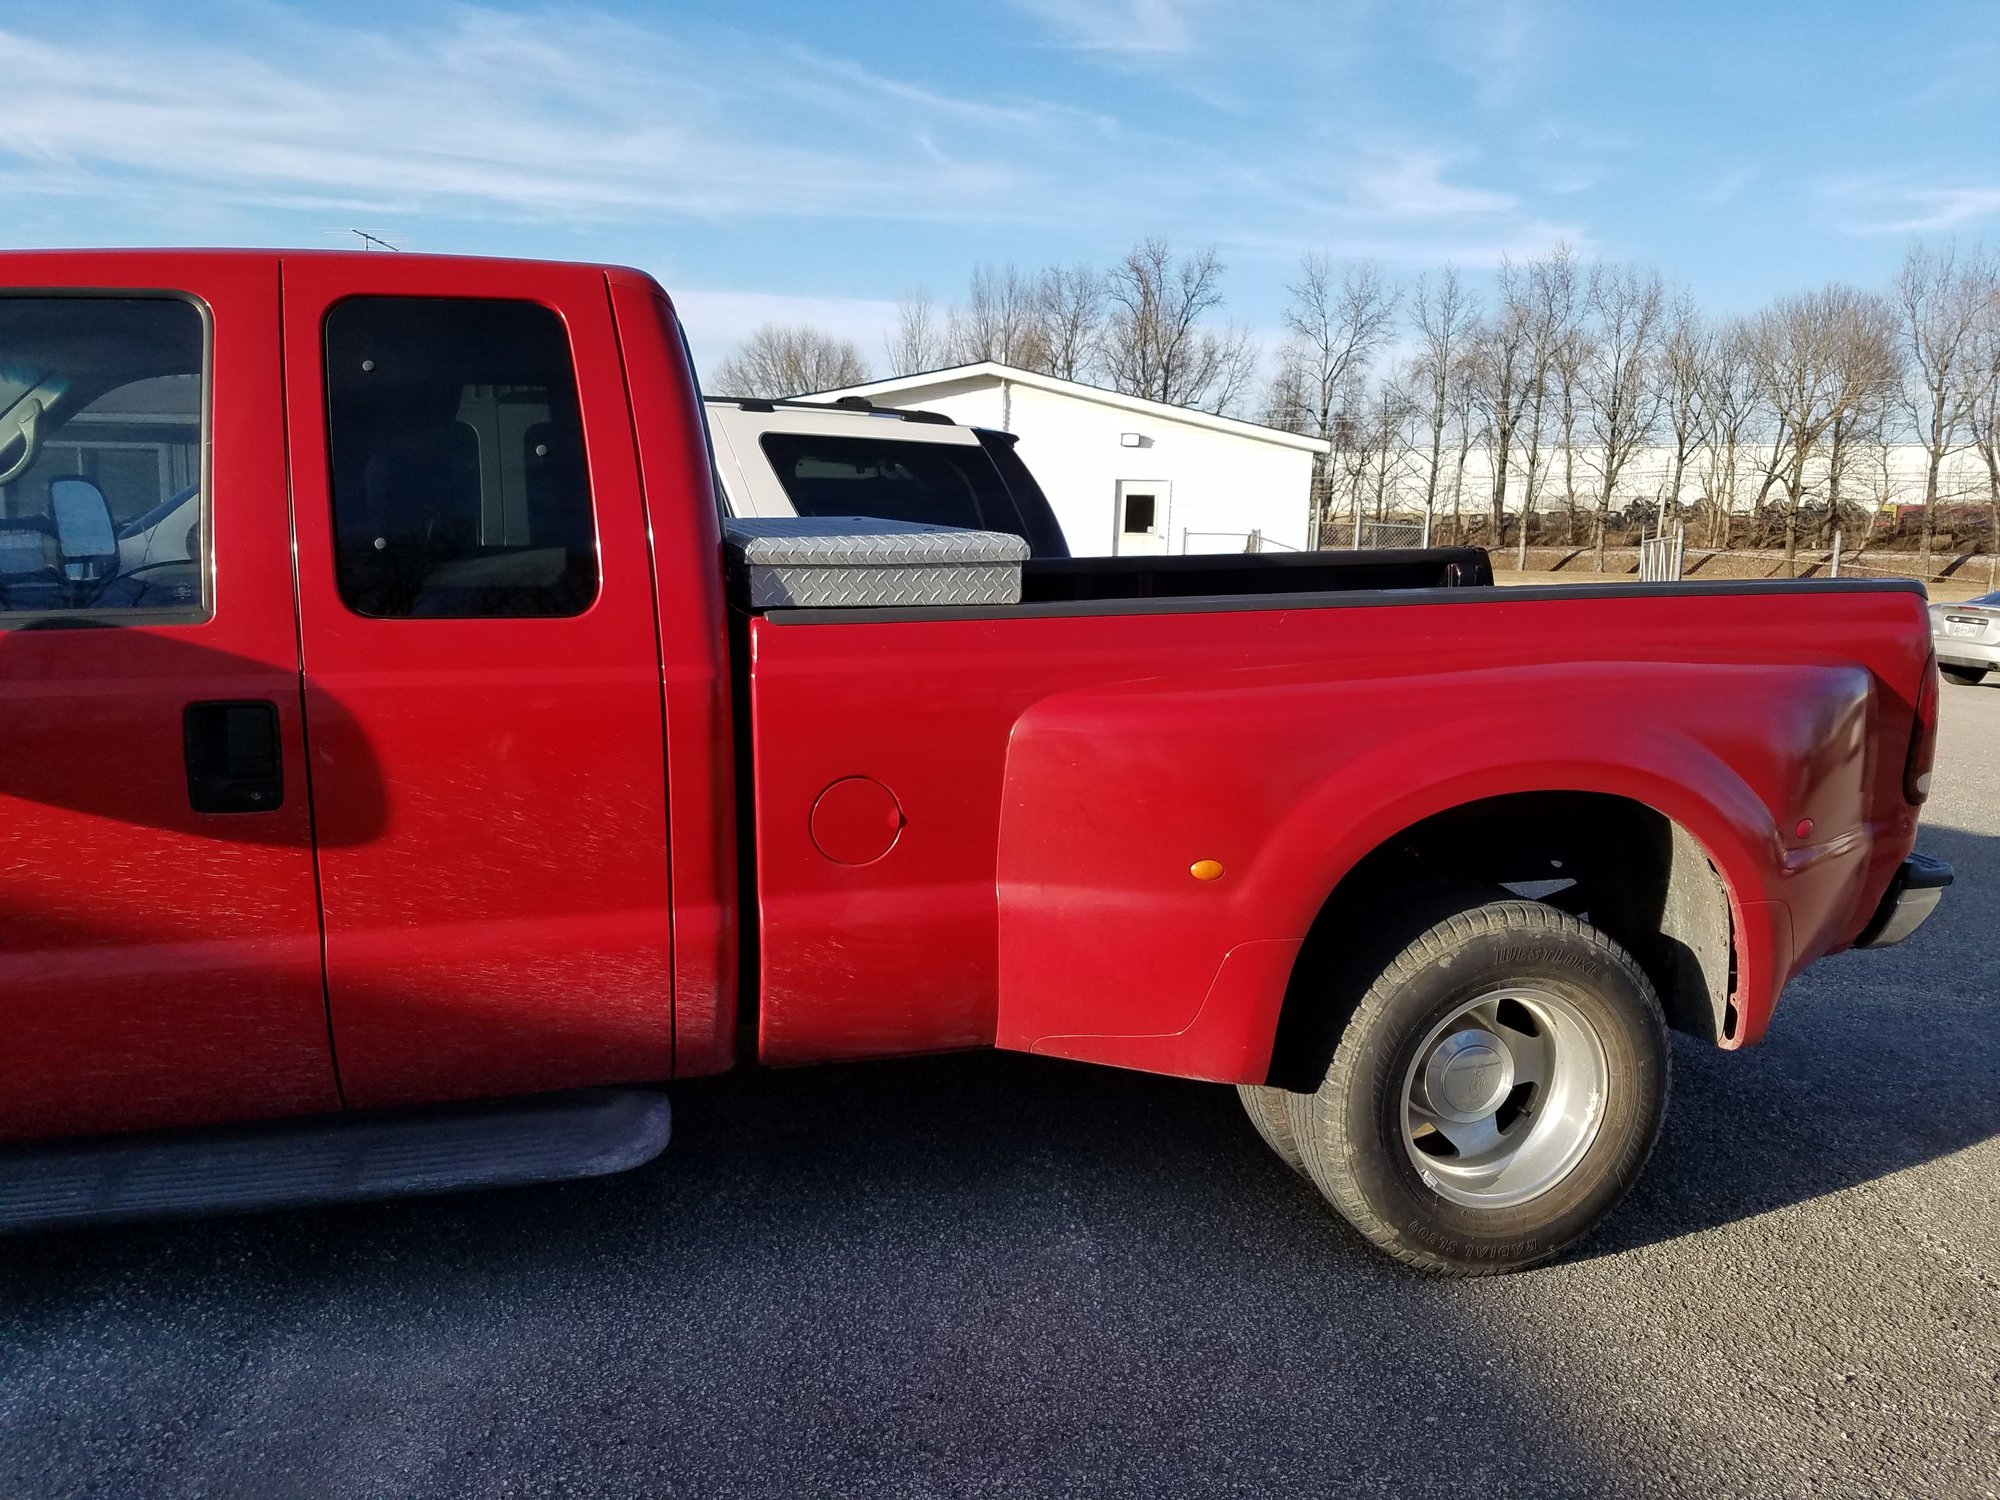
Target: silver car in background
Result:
[1967, 637]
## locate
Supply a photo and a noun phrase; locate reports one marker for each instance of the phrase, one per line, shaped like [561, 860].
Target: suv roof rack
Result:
[858, 404]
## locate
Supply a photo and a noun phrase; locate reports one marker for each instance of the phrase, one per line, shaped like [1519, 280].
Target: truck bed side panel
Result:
[1058, 774]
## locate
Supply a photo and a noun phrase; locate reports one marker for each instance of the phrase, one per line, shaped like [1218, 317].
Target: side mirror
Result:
[84, 533]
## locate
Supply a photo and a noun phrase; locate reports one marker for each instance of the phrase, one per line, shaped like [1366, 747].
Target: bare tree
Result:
[1817, 357]
[1336, 322]
[1885, 484]
[790, 360]
[1679, 382]
[1625, 310]
[1155, 343]
[1940, 297]
[1000, 320]
[1390, 415]
[1467, 424]
[1375, 451]
[1444, 316]
[1502, 382]
[1983, 418]
[1570, 354]
[1070, 300]
[1731, 404]
[1553, 303]
[918, 341]
[1849, 437]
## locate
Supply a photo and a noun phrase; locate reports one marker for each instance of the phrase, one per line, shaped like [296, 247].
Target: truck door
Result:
[482, 679]
[159, 943]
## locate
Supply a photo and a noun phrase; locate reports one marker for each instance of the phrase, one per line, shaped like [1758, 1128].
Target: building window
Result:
[1141, 512]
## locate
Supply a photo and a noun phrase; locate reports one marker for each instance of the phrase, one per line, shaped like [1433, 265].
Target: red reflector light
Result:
[1923, 738]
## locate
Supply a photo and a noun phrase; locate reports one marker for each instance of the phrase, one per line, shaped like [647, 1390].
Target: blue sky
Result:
[818, 159]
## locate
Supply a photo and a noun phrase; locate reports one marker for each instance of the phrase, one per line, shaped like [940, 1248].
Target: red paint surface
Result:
[526, 831]
[1060, 774]
[490, 793]
[157, 965]
[686, 559]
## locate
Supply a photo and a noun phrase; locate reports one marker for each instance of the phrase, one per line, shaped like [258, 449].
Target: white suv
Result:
[800, 458]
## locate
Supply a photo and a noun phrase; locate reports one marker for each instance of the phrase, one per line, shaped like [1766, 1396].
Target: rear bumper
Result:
[1954, 652]
[1912, 896]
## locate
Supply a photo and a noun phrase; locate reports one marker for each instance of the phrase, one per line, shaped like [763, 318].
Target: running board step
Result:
[294, 1163]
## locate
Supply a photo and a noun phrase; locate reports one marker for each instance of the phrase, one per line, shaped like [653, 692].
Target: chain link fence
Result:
[1854, 543]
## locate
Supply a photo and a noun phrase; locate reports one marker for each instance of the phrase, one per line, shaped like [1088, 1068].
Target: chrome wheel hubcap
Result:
[1504, 1097]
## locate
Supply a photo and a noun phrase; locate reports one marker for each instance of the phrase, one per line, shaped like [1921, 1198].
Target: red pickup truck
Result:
[397, 786]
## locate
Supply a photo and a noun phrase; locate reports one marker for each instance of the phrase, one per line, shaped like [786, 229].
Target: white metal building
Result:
[1125, 474]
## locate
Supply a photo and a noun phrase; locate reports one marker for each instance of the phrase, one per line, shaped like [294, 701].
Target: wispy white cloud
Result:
[1467, 248]
[717, 321]
[503, 116]
[1410, 185]
[494, 117]
[1123, 27]
[1895, 205]
[583, 123]
[1500, 47]
[1726, 186]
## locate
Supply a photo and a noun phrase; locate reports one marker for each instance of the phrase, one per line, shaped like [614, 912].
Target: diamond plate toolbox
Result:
[855, 562]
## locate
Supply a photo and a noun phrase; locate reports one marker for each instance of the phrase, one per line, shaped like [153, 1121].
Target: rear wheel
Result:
[1270, 1111]
[1966, 675]
[1497, 1091]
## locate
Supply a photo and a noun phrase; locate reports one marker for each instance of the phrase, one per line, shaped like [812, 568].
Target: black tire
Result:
[1966, 675]
[1270, 1111]
[1351, 1132]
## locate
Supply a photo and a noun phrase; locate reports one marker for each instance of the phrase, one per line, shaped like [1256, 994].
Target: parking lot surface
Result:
[996, 1275]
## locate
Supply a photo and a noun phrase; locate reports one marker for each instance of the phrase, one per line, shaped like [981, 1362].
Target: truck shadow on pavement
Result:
[971, 1274]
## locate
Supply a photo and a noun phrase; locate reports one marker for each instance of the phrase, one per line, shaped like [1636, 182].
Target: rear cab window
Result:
[102, 437]
[460, 488]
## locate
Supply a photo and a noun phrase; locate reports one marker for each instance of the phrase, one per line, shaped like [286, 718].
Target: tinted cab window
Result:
[460, 488]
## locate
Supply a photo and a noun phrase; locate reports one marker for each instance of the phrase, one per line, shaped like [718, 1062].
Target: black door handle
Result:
[232, 757]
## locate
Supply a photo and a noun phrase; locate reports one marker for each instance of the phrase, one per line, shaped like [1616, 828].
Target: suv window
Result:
[100, 453]
[938, 484]
[456, 442]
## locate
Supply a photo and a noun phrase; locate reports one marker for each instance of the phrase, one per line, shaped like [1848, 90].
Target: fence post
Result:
[1427, 528]
[1357, 521]
[1256, 541]
[1833, 564]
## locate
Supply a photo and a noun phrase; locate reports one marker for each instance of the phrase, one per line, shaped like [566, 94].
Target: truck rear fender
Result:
[1117, 802]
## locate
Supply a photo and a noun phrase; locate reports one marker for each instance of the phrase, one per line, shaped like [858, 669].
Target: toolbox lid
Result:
[860, 562]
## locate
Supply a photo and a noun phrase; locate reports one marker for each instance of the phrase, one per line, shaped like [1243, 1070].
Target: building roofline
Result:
[1138, 405]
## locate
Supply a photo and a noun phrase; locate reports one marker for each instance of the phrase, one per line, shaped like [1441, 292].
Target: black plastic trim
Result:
[294, 1163]
[1359, 599]
[1919, 872]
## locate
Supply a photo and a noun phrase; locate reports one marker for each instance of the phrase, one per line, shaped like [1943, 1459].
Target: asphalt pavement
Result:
[993, 1275]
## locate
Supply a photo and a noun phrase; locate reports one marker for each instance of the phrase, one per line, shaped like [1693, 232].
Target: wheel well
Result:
[1632, 872]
